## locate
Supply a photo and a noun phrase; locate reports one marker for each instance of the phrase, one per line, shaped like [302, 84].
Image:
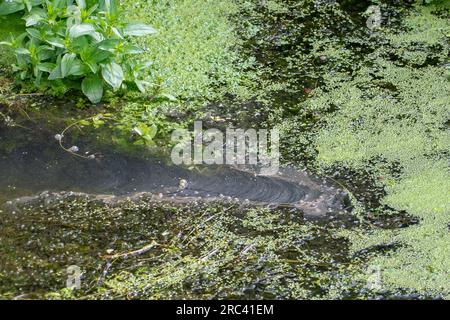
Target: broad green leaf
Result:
[32, 20]
[131, 49]
[35, 71]
[46, 47]
[46, 67]
[22, 51]
[92, 88]
[17, 41]
[34, 33]
[56, 73]
[140, 85]
[80, 45]
[138, 29]
[11, 7]
[113, 74]
[57, 42]
[38, 76]
[84, 29]
[117, 32]
[78, 69]
[108, 45]
[28, 5]
[101, 55]
[92, 66]
[81, 3]
[91, 10]
[145, 132]
[92, 56]
[67, 62]
[35, 16]
[111, 7]
[45, 52]
[59, 4]
[81, 30]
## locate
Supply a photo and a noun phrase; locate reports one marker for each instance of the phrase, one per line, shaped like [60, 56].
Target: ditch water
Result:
[35, 163]
[50, 217]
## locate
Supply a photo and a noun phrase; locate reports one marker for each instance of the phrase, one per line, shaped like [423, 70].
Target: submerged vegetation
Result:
[203, 251]
[367, 107]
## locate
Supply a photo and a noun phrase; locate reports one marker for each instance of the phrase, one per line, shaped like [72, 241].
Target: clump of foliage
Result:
[81, 44]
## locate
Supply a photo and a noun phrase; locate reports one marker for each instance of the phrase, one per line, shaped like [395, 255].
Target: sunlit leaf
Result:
[46, 67]
[92, 87]
[10, 7]
[138, 29]
[67, 62]
[81, 3]
[84, 29]
[56, 73]
[132, 49]
[22, 51]
[109, 45]
[34, 33]
[57, 42]
[113, 74]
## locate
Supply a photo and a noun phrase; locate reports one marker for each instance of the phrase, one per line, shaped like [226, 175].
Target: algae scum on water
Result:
[367, 108]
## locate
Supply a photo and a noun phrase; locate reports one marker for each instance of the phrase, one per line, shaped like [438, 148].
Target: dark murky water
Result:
[35, 162]
[38, 243]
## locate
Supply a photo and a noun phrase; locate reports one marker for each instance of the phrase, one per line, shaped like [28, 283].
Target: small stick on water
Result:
[124, 255]
[134, 253]
[61, 136]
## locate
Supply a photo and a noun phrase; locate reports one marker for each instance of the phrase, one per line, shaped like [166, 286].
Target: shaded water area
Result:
[32, 161]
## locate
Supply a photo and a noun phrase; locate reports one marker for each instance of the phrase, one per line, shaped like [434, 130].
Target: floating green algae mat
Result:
[392, 118]
[194, 49]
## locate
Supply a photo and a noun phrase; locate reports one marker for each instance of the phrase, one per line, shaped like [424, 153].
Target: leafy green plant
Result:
[77, 44]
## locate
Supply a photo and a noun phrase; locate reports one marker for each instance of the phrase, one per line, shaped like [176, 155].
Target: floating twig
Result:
[134, 253]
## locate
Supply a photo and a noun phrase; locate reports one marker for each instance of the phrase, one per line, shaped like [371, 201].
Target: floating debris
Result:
[183, 184]
[74, 149]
